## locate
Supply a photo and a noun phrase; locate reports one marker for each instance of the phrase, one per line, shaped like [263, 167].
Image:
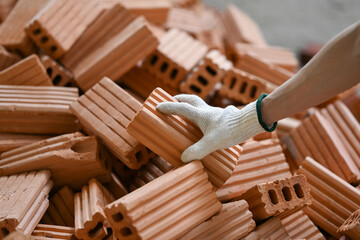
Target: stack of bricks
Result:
[85, 154]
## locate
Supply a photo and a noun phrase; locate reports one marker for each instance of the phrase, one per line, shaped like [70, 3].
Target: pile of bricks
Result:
[85, 154]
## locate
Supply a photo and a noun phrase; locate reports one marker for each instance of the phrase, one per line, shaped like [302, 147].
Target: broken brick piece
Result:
[10, 141]
[232, 222]
[28, 71]
[71, 17]
[299, 226]
[271, 229]
[24, 201]
[277, 197]
[260, 161]
[12, 30]
[58, 74]
[206, 74]
[57, 154]
[333, 199]
[169, 135]
[90, 220]
[165, 208]
[106, 110]
[176, 55]
[7, 59]
[351, 227]
[53, 232]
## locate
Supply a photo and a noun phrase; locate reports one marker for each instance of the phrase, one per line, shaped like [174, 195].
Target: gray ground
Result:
[296, 23]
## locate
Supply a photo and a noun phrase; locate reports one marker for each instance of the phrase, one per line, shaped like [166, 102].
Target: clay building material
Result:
[317, 138]
[53, 232]
[37, 109]
[299, 226]
[272, 229]
[351, 227]
[152, 170]
[241, 28]
[57, 154]
[7, 59]
[61, 208]
[90, 220]
[277, 197]
[260, 161]
[57, 26]
[10, 141]
[263, 68]
[285, 126]
[165, 208]
[58, 74]
[233, 222]
[333, 199]
[28, 71]
[184, 3]
[116, 187]
[185, 20]
[24, 201]
[176, 55]
[5, 8]
[106, 110]
[169, 135]
[206, 74]
[243, 87]
[12, 30]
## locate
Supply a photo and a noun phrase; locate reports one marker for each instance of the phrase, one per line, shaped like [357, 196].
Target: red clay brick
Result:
[5, 8]
[271, 229]
[7, 59]
[116, 187]
[53, 232]
[59, 75]
[185, 20]
[351, 227]
[10, 141]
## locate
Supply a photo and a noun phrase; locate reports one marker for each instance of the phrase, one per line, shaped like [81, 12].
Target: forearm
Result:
[333, 70]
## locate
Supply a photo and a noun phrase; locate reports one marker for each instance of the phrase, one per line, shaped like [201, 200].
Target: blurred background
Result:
[294, 24]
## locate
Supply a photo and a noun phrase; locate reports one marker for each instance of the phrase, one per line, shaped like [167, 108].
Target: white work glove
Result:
[222, 127]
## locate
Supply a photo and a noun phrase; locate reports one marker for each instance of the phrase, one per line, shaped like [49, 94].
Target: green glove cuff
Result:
[258, 111]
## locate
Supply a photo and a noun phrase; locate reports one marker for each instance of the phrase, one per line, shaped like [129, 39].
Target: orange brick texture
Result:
[58, 74]
[271, 229]
[165, 208]
[159, 132]
[7, 59]
[45, 231]
[351, 227]
[10, 141]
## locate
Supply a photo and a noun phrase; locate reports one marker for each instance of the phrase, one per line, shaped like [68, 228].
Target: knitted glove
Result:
[222, 127]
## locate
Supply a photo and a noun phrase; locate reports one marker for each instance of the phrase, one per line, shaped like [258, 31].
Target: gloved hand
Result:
[222, 127]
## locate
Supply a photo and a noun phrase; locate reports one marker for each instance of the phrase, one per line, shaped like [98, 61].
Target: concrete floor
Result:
[295, 23]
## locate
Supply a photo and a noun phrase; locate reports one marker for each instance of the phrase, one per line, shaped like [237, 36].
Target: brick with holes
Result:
[351, 227]
[24, 201]
[206, 74]
[277, 197]
[53, 232]
[58, 74]
[333, 199]
[106, 110]
[72, 18]
[176, 55]
[57, 154]
[7, 59]
[169, 135]
[90, 220]
[29, 71]
[165, 208]
[271, 229]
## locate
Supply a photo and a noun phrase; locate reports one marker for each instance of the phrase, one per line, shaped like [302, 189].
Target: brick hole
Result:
[202, 80]
[232, 84]
[4, 232]
[243, 87]
[109, 232]
[195, 88]
[174, 73]
[138, 156]
[153, 59]
[298, 190]
[53, 48]
[126, 168]
[96, 230]
[253, 91]
[117, 217]
[44, 39]
[125, 232]
[273, 197]
[210, 70]
[49, 71]
[68, 84]
[164, 67]
[148, 150]
[57, 79]
[286, 193]
[37, 31]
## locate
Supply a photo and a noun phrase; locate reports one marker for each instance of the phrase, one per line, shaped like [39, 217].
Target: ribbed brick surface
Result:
[169, 135]
[58, 74]
[165, 208]
[116, 187]
[7, 59]
[185, 20]
[351, 227]
[272, 229]
[28, 71]
[232, 222]
[106, 110]
[176, 55]
[10, 141]
[24, 201]
[5, 7]
[334, 200]
[57, 26]
[261, 161]
[57, 154]
[43, 231]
